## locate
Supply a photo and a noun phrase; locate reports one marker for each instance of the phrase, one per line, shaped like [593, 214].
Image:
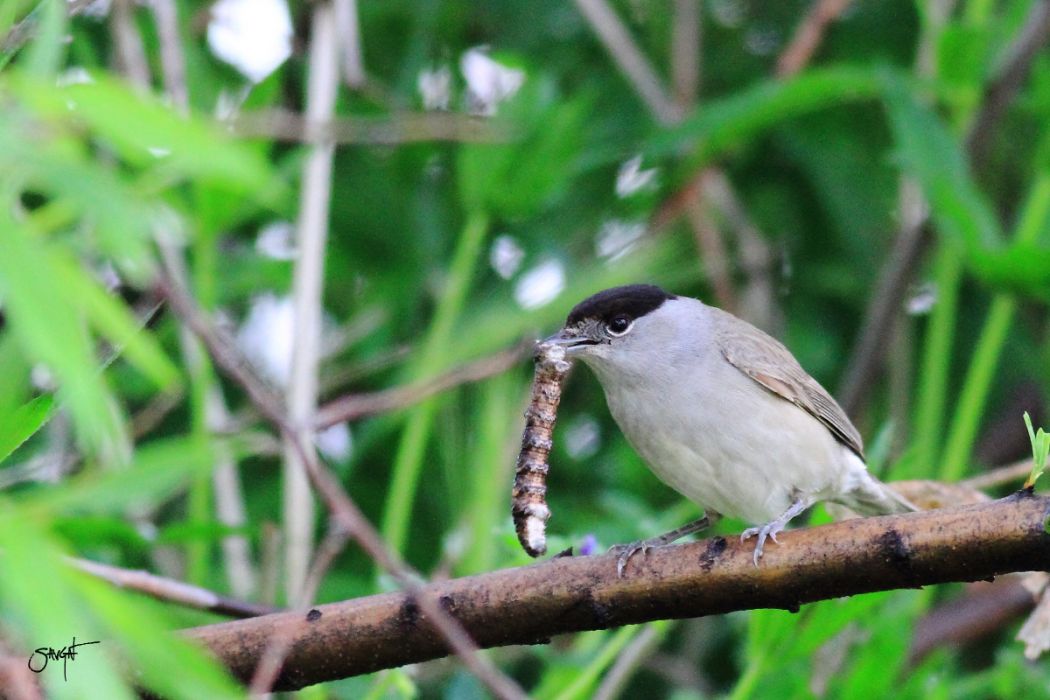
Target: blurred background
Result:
[381, 204]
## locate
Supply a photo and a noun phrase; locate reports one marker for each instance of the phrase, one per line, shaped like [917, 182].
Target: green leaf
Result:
[61, 168]
[927, 150]
[157, 471]
[152, 649]
[964, 55]
[138, 127]
[731, 121]
[46, 51]
[48, 603]
[40, 606]
[115, 322]
[24, 422]
[519, 178]
[50, 331]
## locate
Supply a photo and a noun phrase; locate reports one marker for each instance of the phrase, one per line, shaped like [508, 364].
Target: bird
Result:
[721, 412]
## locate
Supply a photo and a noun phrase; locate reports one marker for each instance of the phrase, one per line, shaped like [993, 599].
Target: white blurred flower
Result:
[276, 240]
[631, 178]
[96, 10]
[42, 379]
[228, 104]
[74, 75]
[335, 442]
[540, 285]
[488, 82]
[922, 300]
[266, 336]
[729, 13]
[108, 276]
[761, 41]
[506, 256]
[583, 437]
[254, 36]
[435, 87]
[617, 237]
[158, 151]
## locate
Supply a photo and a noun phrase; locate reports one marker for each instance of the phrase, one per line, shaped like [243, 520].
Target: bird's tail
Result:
[872, 497]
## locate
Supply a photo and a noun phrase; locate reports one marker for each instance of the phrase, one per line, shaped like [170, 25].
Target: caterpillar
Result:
[529, 496]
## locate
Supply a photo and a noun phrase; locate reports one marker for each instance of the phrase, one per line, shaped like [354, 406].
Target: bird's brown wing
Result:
[772, 365]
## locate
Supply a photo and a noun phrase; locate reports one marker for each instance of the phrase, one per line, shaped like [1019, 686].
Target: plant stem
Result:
[409, 459]
[981, 372]
[490, 469]
[936, 361]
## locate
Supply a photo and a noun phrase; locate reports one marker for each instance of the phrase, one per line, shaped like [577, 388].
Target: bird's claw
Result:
[769, 530]
[626, 551]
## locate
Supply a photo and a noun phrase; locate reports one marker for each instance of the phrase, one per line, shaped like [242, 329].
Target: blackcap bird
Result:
[721, 412]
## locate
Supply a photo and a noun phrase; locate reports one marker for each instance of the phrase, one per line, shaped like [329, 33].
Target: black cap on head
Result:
[635, 300]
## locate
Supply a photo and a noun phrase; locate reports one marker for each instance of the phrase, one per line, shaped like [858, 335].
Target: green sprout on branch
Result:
[1040, 450]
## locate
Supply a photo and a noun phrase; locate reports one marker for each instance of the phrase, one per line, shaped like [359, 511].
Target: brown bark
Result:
[528, 605]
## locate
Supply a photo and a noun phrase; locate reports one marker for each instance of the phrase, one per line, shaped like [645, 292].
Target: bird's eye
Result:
[618, 325]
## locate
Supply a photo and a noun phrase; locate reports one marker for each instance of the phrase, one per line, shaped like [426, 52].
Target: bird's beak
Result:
[572, 339]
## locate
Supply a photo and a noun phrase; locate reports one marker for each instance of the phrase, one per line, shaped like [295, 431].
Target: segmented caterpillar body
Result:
[530, 509]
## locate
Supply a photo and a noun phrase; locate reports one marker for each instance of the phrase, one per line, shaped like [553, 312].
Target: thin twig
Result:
[632, 62]
[172, 62]
[627, 663]
[985, 608]
[355, 406]
[686, 52]
[713, 251]
[346, 19]
[808, 36]
[273, 657]
[1003, 476]
[909, 247]
[131, 57]
[229, 494]
[307, 292]
[914, 237]
[170, 590]
[17, 682]
[282, 125]
[999, 94]
[341, 507]
[153, 413]
[709, 577]
[21, 33]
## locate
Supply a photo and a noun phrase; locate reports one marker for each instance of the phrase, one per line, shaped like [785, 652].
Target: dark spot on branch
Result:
[598, 613]
[793, 607]
[313, 615]
[448, 603]
[563, 553]
[714, 550]
[408, 616]
[897, 553]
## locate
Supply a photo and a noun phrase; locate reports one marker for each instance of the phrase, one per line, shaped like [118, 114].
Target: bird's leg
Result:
[773, 527]
[626, 551]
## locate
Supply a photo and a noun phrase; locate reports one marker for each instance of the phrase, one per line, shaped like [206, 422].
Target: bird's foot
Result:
[626, 551]
[775, 527]
[770, 530]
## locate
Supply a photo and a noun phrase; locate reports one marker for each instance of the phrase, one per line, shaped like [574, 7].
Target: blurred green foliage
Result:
[94, 172]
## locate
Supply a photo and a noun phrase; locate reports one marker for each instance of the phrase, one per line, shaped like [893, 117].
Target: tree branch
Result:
[395, 129]
[170, 590]
[528, 605]
[808, 36]
[355, 406]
